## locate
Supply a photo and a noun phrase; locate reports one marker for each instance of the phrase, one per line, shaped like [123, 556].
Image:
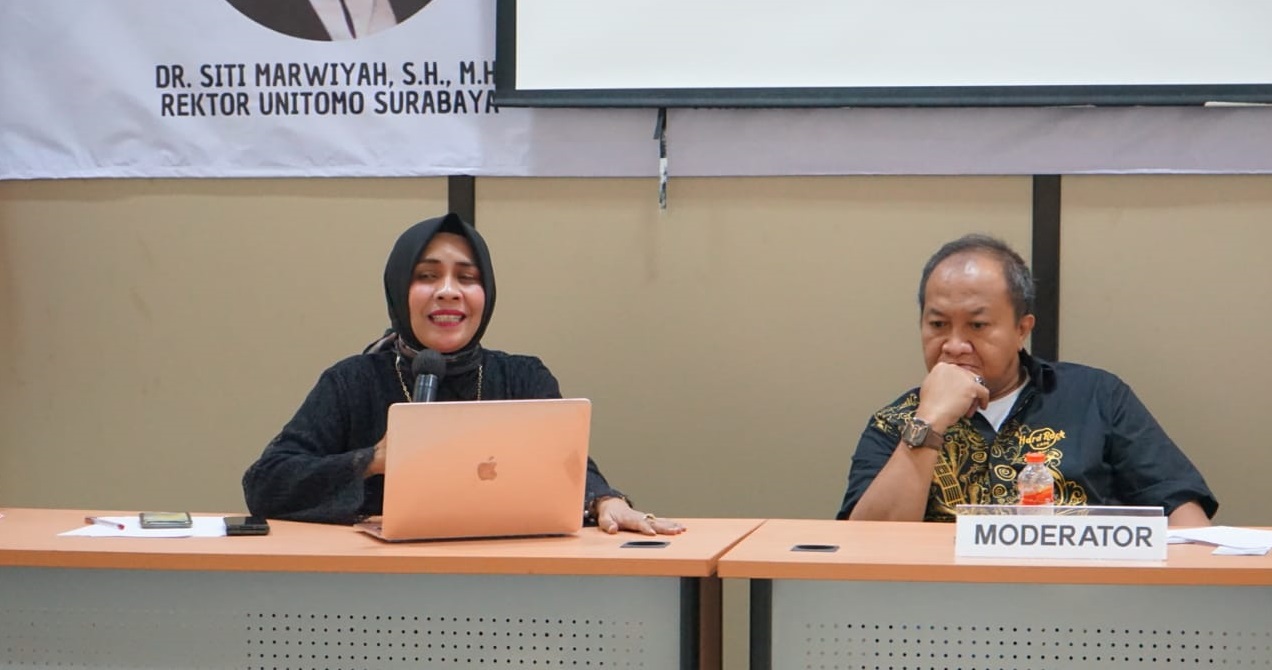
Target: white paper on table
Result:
[203, 526]
[1234, 541]
[1233, 551]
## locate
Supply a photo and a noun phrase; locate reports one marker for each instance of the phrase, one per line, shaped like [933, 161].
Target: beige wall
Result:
[155, 334]
[735, 345]
[1166, 281]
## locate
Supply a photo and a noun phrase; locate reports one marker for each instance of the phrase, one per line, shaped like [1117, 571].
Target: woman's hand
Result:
[376, 466]
[614, 514]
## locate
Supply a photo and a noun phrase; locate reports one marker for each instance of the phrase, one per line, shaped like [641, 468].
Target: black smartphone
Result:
[828, 548]
[644, 544]
[165, 520]
[246, 525]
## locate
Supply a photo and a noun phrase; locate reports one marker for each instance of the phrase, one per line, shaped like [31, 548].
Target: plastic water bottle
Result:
[1035, 484]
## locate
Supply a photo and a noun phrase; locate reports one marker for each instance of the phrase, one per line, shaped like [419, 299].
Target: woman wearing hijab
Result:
[327, 464]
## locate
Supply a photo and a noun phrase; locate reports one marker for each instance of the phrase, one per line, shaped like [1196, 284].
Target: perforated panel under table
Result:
[72, 618]
[946, 626]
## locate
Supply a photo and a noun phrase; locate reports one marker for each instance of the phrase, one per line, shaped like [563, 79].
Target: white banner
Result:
[157, 88]
[197, 88]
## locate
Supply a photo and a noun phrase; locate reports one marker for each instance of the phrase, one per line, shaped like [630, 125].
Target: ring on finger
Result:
[650, 518]
[979, 380]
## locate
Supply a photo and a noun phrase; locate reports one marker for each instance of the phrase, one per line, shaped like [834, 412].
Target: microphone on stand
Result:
[428, 367]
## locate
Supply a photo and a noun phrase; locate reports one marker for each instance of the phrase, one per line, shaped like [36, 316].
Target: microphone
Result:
[428, 367]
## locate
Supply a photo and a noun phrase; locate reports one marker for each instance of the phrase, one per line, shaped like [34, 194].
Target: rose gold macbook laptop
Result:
[501, 468]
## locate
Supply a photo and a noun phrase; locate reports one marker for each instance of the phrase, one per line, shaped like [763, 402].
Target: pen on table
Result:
[103, 522]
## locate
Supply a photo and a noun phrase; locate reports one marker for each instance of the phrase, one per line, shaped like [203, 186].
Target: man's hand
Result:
[614, 514]
[948, 394]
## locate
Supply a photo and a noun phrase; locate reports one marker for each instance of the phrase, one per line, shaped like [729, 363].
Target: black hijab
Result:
[399, 272]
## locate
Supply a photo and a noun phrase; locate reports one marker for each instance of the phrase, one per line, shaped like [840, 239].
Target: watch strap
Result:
[933, 440]
[930, 438]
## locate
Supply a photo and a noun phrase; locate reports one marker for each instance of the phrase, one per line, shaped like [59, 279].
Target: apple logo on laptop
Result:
[486, 470]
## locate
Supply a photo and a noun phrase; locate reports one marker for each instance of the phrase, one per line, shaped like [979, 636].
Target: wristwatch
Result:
[918, 433]
[590, 503]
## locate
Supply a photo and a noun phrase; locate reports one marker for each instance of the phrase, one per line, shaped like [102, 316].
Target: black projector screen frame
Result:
[886, 53]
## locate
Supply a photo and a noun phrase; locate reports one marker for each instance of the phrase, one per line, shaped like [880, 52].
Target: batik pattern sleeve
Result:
[1148, 468]
[874, 448]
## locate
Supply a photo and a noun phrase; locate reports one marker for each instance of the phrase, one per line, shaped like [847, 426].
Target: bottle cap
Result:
[1035, 457]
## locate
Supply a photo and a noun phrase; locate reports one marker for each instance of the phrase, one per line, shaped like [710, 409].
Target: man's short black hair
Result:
[1020, 284]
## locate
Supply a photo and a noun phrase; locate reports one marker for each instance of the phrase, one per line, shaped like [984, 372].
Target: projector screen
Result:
[829, 53]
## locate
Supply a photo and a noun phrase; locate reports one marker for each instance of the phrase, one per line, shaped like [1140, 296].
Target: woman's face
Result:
[446, 298]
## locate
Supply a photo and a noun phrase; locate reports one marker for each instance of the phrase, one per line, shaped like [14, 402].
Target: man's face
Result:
[968, 320]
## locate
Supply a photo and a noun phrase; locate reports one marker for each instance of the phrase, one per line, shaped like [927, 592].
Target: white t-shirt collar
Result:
[997, 410]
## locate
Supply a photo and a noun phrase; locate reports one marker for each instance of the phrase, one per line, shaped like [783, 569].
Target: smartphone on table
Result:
[166, 520]
[246, 525]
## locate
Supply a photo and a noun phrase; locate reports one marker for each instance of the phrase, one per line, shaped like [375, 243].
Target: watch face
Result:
[914, 432]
